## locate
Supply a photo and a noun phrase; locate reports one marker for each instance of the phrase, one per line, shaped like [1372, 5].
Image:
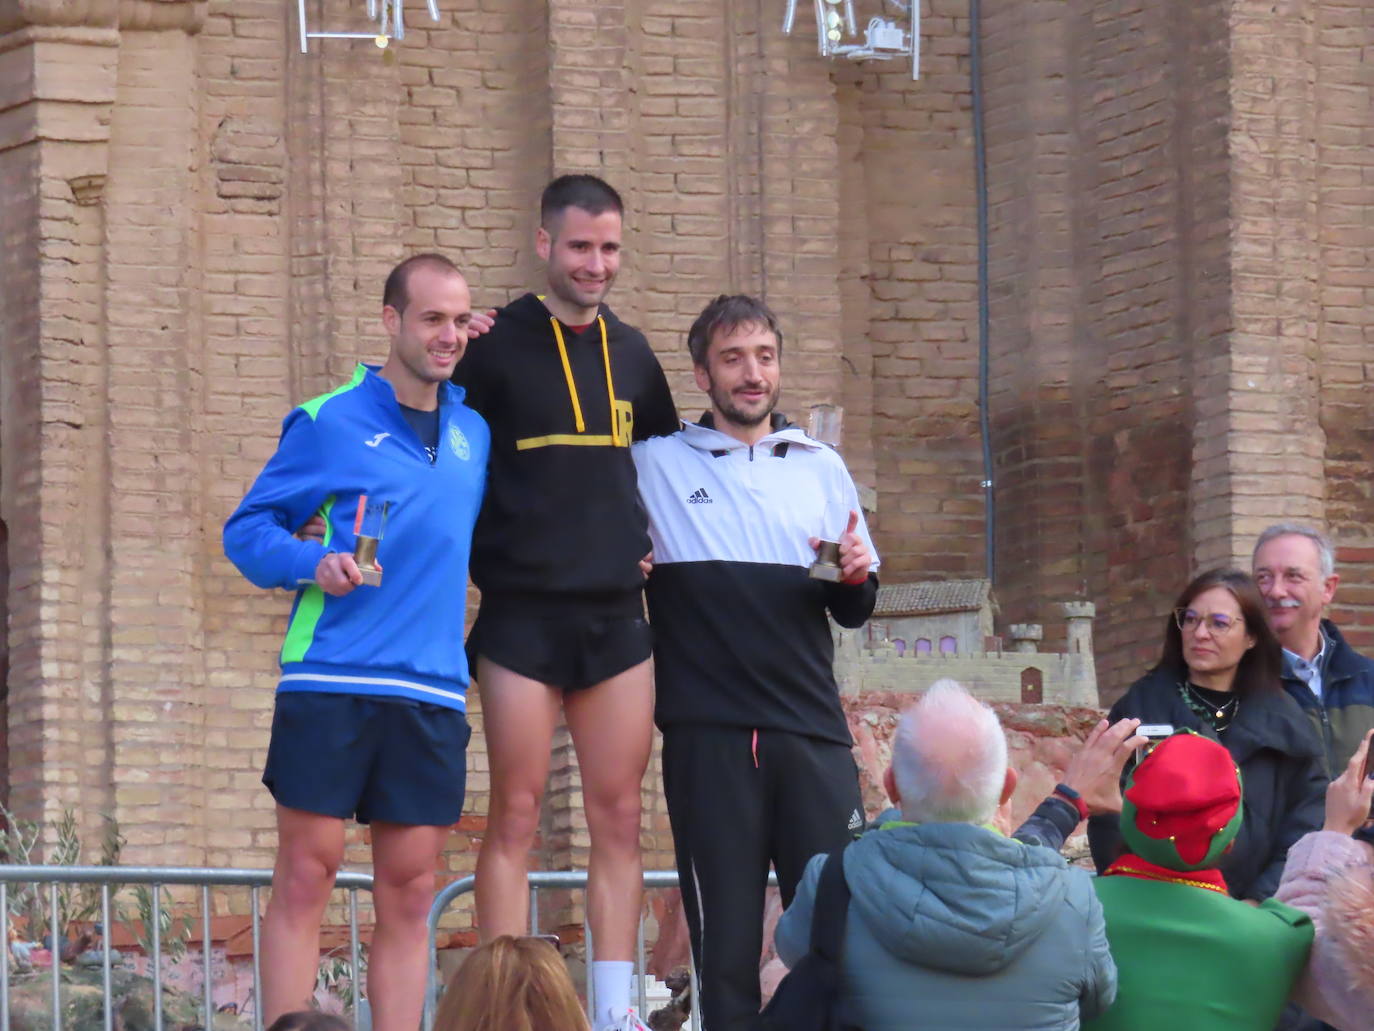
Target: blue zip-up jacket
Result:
[402, 639]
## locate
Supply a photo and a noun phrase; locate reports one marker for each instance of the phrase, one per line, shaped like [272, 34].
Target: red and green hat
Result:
[1181, 807]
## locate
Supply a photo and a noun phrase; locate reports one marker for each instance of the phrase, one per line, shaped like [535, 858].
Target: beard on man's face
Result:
[724, 402]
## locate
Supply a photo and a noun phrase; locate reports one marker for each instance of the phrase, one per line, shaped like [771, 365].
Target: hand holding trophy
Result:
[827, 426]
[827, 543]
[368, 526]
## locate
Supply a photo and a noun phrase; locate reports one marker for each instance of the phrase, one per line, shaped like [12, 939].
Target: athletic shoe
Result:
[629, 1022]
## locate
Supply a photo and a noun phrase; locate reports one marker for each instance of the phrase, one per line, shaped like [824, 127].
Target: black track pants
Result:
[737, 803]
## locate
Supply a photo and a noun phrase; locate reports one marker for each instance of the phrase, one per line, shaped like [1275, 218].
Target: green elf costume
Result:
[1189, 957]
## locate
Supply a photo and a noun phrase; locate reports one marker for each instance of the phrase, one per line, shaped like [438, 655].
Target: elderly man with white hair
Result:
[1295, 570]
[952, 924]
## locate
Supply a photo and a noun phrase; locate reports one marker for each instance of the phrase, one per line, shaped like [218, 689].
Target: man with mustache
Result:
[757, 765]
[1294, 567]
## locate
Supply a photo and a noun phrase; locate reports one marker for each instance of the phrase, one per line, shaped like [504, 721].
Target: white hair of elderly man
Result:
[949, 758]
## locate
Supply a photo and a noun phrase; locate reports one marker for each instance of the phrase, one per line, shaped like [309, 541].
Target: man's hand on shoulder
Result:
[313, 530]
[337, 574]
[481, 323]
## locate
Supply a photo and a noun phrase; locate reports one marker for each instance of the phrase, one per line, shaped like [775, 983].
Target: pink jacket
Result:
[1330, 877]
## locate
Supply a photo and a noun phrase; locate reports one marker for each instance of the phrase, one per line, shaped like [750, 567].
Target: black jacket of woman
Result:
[1283, 782]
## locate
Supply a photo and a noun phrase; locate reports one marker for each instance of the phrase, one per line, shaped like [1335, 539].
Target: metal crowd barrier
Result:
[111, 878]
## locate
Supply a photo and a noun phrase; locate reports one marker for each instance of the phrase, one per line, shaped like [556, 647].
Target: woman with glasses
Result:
[1218, 674]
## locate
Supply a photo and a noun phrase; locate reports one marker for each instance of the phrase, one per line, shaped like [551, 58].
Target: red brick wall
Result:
[909, 290]
[1106, 144]
[1344, 99]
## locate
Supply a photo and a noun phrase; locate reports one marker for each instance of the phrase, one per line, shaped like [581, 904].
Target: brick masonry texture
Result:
[198, 218]
[1178, 271]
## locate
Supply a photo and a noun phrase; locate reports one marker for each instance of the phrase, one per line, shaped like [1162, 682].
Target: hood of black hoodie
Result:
[529, 311]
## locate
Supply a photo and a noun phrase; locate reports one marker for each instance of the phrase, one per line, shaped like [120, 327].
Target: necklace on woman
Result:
[1231, 703]
[1208, 709]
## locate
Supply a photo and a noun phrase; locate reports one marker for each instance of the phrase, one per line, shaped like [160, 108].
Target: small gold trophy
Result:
[368, 527]
[827, 426]
[827, 564]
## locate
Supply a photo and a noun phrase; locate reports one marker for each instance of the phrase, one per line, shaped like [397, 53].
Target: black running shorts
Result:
[566, 643]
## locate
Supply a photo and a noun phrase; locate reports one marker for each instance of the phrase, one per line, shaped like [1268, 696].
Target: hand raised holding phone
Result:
[1349, 797]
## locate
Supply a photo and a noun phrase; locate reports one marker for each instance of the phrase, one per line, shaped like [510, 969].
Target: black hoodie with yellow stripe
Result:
[561, 516]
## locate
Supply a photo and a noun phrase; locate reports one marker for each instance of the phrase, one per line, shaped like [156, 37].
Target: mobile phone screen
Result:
[1366, 769]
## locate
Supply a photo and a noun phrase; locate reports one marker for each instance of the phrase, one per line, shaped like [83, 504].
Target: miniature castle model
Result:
[921, 632]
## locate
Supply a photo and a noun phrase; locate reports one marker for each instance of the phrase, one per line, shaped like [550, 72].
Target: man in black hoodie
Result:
[566, 387]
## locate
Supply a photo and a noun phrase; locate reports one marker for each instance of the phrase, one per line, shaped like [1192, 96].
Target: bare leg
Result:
[518, 718]
[612, 729]
[309, 849]
[403, 862]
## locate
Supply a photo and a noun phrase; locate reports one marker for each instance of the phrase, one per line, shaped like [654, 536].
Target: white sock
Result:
[611, 986]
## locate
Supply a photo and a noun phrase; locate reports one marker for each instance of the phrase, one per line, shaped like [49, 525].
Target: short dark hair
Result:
[725, 315]
[309, 1020]
[395, 293]
[593, 195]
[1261, 666]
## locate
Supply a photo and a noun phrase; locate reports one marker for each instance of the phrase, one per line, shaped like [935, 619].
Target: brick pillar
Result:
[1345, 115]
[57, 87]
[104, 687]
[908, 288]
[1037, 383]
[266, 347]
[853, 273]
[156, 571]
[1108, 170]
[1260, 426]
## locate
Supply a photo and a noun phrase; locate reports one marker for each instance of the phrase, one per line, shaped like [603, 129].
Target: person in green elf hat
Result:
[1190, 957]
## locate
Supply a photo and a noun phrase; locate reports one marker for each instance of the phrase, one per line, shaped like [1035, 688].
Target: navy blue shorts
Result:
[376, 759]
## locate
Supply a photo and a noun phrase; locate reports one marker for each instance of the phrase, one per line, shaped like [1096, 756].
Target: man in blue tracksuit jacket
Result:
[370, 711]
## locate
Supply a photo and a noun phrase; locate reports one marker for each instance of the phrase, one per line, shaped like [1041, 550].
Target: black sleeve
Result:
[1050, 825]
[1104, 839]
[472, 374]
[852, 604]
[1104, 829]
[655, 414]
[1305, 811]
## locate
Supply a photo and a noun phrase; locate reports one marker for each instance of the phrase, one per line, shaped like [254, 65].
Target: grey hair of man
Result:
[1326, 551]
[949, 758]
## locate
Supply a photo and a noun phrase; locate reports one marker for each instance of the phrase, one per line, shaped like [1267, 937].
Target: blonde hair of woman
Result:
[511, 984]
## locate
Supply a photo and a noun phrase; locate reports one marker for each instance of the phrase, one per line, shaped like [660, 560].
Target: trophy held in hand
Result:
[368, 527]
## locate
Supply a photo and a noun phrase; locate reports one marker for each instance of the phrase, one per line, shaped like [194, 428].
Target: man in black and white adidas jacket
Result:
[757, 766]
